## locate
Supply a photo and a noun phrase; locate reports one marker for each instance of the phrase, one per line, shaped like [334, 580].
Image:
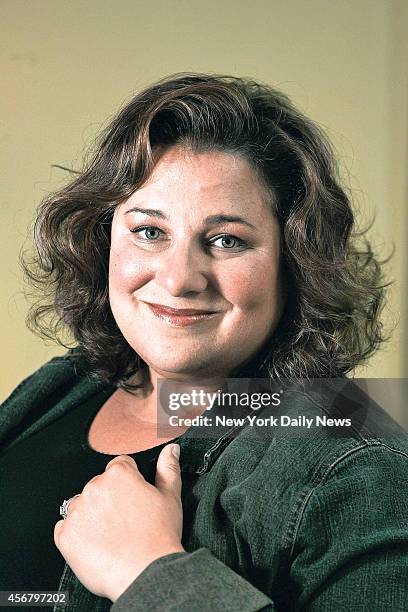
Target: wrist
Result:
[132, 573]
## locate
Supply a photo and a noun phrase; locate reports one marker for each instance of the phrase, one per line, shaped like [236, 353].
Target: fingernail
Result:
[176, 450]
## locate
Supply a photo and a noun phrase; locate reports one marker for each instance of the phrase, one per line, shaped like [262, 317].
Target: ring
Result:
[65, 505]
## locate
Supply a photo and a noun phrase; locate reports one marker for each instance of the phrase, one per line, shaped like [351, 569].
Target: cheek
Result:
[126, 270]
[125, 274]
[253, 288]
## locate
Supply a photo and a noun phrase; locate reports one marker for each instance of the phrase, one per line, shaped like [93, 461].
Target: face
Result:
[194, 275]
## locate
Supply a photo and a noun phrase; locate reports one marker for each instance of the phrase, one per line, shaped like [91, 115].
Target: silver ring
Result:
[65, 505]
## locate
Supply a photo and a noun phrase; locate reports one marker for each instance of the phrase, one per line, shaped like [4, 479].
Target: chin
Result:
[185, 367]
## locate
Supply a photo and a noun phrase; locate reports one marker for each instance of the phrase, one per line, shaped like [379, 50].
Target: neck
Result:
[192, 390]
[163, 394]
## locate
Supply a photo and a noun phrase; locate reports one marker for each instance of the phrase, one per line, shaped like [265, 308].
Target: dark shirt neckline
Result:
[98, 401]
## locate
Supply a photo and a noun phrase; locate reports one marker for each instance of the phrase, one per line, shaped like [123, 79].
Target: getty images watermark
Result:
[258, 403]
[295, 407]
[255, 401]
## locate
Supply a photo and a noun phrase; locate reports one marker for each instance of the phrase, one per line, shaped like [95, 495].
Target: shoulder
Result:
[60, 369]
[51, 390]
[324, 421]
[309, 437]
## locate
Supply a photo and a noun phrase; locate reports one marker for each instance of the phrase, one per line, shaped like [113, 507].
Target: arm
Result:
[182, 582]
[109, 539]
[350, 551]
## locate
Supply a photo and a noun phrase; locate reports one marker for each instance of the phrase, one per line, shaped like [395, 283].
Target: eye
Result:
[151, 233]
[228, 242]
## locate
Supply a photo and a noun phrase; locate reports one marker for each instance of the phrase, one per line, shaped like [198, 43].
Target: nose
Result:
[183, 271]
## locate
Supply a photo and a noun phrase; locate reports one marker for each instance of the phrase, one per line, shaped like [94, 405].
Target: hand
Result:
[120, 523]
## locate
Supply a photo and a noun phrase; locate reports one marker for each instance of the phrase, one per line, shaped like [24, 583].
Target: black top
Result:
[36, 475]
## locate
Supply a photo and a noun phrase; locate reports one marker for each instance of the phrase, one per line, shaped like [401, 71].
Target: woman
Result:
[208, 240]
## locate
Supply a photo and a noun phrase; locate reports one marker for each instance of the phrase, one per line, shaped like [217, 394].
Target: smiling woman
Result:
[209, 241]
[190, 277]
[332, 284]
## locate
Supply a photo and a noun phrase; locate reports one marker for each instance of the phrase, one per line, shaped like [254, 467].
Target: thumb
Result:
[168, 477]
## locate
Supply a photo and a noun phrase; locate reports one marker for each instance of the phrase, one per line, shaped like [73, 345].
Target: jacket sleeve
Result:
[181, 582]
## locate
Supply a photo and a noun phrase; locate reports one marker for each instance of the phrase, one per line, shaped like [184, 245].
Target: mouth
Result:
[181, 317]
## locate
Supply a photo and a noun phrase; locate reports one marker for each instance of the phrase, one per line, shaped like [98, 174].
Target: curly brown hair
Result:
[334, 288]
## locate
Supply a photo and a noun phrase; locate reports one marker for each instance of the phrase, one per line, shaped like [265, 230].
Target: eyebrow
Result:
[211, 220]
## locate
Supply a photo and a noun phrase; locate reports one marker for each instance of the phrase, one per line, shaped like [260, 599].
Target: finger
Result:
[122, 459]
[86, 487]
[71, 505]
[168, 476]
[89, 486]
[119, 467]
[57, 531]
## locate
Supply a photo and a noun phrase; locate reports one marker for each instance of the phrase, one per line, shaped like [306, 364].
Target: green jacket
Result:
[292, 520]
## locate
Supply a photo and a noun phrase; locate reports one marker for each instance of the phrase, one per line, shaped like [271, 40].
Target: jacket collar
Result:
[56, 388]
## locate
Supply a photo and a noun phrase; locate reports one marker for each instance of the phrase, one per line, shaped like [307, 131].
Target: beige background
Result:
[68, 65]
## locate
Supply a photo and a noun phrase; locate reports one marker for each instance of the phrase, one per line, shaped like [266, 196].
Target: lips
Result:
[181, 316]
[179, 311]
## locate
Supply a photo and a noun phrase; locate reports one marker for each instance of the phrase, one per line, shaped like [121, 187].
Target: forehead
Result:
[211, 167]
[211, 178]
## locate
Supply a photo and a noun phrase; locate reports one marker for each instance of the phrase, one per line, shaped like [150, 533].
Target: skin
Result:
[182, 261]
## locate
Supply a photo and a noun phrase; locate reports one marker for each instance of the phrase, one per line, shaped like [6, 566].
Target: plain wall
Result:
[68, 66]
